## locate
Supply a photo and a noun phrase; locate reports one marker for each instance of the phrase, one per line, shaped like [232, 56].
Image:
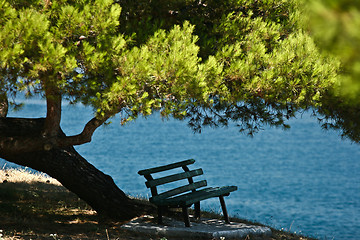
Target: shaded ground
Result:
[33, 206]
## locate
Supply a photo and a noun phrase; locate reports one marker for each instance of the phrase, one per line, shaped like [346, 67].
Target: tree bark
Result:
[72, 170]
[4, 104]
[28, 142]
[53, 112]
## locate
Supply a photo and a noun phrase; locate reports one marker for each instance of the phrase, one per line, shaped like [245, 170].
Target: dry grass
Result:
[35, 206]
[25, 176]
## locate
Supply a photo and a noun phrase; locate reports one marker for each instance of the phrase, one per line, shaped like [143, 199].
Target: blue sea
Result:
[304, 180]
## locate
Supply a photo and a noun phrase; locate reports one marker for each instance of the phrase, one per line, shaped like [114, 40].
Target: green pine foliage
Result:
[335, 26]
[210, 62]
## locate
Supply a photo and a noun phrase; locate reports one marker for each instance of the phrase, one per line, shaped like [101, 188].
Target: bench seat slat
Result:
[183, 196]
[173, 178]
[193, 197]
[166, 167]
[179, 190]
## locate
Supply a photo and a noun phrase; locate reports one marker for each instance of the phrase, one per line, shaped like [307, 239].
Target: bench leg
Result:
[159, 215]
[223, 206]
[197, 210]
[186, 216]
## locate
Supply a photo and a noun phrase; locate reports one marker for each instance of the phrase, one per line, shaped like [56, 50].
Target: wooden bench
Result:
[183, 196]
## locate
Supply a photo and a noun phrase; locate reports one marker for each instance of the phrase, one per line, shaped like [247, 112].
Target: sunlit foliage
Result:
[209, 62]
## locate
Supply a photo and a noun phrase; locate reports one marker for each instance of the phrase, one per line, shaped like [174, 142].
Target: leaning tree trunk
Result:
[72, 170]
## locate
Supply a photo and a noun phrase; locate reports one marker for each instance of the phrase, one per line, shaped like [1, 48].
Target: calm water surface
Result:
[304, 180]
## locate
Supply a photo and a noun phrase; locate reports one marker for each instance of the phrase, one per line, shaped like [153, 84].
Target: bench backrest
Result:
[187, 174]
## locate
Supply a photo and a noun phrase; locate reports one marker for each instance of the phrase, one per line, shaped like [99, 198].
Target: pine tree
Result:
[211, 63]
[335, 27]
